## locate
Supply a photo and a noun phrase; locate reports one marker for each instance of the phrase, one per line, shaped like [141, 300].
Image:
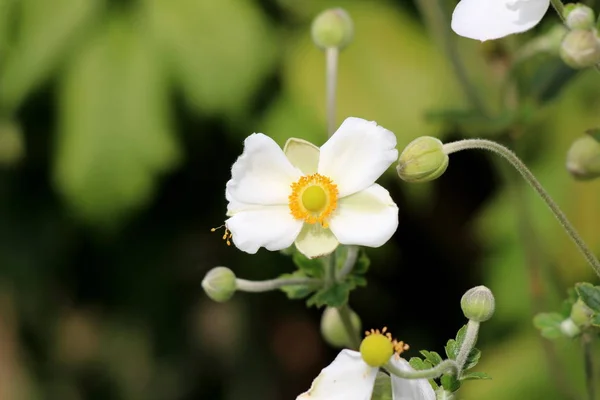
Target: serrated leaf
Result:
[333, 296]
[549, 324]
[46, 31]
[450, 383]
[419, 364]
[590, 295]
[451, 349]
[295, 292]
[460, 335]
[219, 51]
[474, 376]
[313, 267]
[472, 358]
[382, 390]
[431, 356]
[114, 135]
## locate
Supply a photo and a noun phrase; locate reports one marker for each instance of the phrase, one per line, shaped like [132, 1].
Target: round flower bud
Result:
[583, 158]
[478, 304]
[579, 16]
[423, 160]
[580, 48]
[333, 329]
[332, 28]
[569, 328]
[219, 284]
[581, 314]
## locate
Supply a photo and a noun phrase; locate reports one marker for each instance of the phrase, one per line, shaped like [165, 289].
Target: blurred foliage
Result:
[119, 121]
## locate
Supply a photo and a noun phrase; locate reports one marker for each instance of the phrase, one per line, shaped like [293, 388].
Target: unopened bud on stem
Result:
[583, 158]
[579, 16]
[332, 28]
[478, 304]
[580, 48]
[219, 284]
[423, 160]
[333, 330]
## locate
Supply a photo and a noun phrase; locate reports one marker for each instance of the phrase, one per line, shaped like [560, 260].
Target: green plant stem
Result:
[351, 257]
[344, 312]
[431, 373]
[588, 357]
[331, 70]
[272, 284]
[511, 157]
[437, 21]
[468, 344]
[559, 8]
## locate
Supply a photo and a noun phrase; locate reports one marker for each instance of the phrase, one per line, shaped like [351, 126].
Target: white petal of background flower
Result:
[315, 241]
[262, 174]
[357, 154]
[493, 19]
[302, 154]
[409, 389]
[348, 377]
[271, 227]
[367, 218]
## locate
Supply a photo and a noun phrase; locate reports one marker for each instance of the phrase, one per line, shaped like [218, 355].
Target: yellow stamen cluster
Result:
[378, 347]
[226, 236]
[313, 199]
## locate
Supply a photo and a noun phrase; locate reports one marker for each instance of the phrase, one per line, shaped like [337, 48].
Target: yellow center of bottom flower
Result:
[313, 199]
[378, 347]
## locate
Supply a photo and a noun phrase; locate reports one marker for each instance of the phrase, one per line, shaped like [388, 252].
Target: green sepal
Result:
[472, 376]
[549, 325]
[382, 390]
[450, 382]
[295, 292]
[590, 295]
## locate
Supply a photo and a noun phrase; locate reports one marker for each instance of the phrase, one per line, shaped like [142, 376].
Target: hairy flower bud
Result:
[332, 28]
[580, 48]
[579, 16]
[583, 158]
[219, 284]
[478, 304]
[423, 160]
[333, 329]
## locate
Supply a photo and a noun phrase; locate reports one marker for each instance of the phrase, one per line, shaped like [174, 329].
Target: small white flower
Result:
[494, 19]
[315, 198]
[348, 377]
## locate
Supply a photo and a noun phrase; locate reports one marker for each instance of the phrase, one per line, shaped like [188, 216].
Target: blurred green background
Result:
[119, 121]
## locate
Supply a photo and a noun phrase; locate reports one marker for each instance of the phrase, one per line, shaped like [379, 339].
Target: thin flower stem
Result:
[511, 157]
[351, 257]
[589, 365]
[468, 343]
[559, 8]
[436, 19]
[272, 284]
[431, 373]
[331, 70]
[344, 312]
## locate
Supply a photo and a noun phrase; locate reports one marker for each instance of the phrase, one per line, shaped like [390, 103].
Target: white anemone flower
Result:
[348, 377]
[494, 19]
[314, 197]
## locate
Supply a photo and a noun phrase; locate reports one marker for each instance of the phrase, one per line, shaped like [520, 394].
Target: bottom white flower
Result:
[348, 377]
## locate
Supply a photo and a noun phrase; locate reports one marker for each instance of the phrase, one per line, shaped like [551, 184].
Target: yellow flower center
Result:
[378, 347]
[313, 199]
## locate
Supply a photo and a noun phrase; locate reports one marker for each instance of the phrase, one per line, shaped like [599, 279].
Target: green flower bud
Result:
[423, 160]
[332, 28]
[583, 158]
[478, 304]
[569, 328]
[581, 314]
[579, 16]
[333, 329]
[219, 284]
[580, 48]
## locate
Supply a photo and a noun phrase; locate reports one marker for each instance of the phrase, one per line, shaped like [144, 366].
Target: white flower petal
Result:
[346, 378]
[271, 227]
[262, 174]
[409, 389]
[367, 218]
[493, 19]
[357, 154]
[303, 155]
[315, 241]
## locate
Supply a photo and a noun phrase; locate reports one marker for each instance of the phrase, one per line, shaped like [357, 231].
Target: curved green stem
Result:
[467, 344]
[272, 284]
[351, 257]
[512, 158]
[559, 8]
[431, 373]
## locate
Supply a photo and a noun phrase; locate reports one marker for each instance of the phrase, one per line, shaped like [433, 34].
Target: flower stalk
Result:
[331, 69]
[468, 344]
[273, 284]
[588, 356]
[344, 312]
[431, 373]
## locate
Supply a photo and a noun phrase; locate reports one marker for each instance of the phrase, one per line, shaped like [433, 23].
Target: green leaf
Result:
[46, 31]
[460, 336]
[474, 376]
[312, 267]
[472, 358]
[450, 383]
[419, 364]
[431, 356]
[115, 135]
[383, 387]
[219, 51]
[549, 324]
[294, 292]
[451, 349]
[590, 295]
[595, 321]
[362, 263]
[333, 296]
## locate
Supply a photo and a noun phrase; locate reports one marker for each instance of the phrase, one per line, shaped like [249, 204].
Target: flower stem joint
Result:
[423, 160]
[219, 284]
[332, 28]
[478, 304]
